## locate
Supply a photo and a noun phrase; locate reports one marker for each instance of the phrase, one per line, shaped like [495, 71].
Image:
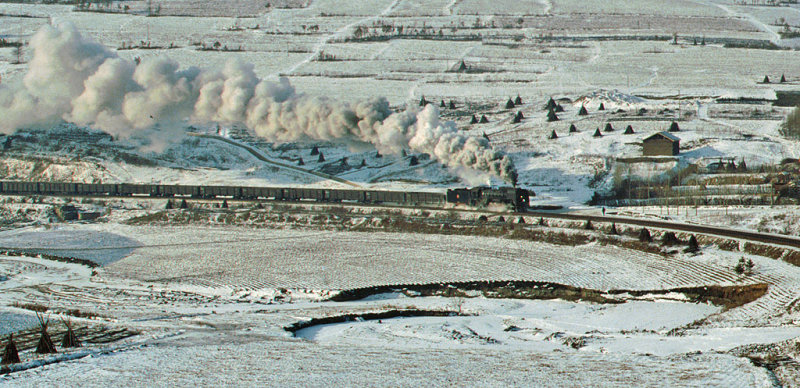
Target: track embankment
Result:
[676, 226]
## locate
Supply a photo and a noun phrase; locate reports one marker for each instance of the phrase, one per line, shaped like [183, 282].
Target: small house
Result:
[661, 144]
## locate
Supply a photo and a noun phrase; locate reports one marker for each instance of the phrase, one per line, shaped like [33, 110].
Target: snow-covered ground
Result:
[211, 303]
[211, 300]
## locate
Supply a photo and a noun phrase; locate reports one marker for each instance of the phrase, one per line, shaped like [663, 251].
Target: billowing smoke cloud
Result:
[74, 79]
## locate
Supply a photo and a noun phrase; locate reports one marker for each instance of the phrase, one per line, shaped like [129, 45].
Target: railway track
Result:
[676, 226]
[258, 155]
[767, 238]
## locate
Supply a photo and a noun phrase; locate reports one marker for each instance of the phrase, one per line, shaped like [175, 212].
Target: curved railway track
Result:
[676, 226]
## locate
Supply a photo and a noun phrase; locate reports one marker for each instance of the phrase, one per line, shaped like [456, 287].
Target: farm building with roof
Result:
[661, 144]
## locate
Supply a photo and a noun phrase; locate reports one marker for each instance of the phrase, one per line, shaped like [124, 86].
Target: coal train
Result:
[515, 198]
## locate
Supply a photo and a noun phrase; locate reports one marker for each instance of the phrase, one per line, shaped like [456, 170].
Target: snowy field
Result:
[217, 298]
[112, 100]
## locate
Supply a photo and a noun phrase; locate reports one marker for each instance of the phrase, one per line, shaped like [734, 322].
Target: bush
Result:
[644, 235]
[744, 267]
[791, 126]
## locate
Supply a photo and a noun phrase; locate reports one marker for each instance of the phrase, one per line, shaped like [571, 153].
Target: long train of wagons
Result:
[516, 198]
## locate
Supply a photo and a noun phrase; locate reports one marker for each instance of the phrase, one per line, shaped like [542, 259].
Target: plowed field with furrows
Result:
[344, 260]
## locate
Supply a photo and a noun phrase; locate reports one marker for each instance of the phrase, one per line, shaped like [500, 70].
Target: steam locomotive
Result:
[515, 198]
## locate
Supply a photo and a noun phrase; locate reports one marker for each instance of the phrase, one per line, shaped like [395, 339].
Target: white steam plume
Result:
[74, 79]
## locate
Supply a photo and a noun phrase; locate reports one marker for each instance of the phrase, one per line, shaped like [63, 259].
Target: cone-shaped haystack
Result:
[378, 155]
[521, 220]
[70, 339]
[597, 133]
[423, 101]
[413, 161]
[573, 128]
[501, 219]
[742, 166]
[45, 345]
[551, 116]
[484, 120]
[518, 117]
[474, 120]
[485, 136]
[613, 229]
[315, 151]
[10, 353]
[510, 104]
[559, 108]
[518, 100]
[602, 107]
[184, 204]
[321, 158]
[169, 205]
[442, 105]
[628, 130]
[674, 127]
[224, 206]
[363, 163]
[583, 111]
[551, 104]
[462, 67]
[766, 79]
[609, 128]
[452, 105]
[783, 78]
[542, 221]
[588, 225]
[644, 235]
[693, 247]
[553, 135]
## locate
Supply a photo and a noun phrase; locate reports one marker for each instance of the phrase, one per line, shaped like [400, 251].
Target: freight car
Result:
[479, 196]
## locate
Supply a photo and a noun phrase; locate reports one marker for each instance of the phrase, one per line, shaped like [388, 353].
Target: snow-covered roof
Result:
[663, 134]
